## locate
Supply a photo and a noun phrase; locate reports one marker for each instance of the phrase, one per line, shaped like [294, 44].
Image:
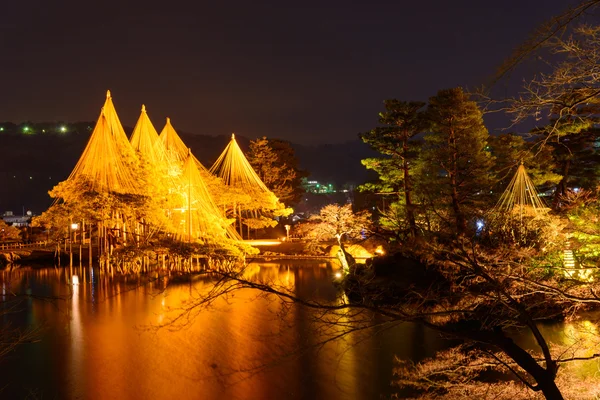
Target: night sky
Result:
[308, 72]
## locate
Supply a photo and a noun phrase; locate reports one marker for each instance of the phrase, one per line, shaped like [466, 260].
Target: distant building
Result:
[17, 220]
[318, 188]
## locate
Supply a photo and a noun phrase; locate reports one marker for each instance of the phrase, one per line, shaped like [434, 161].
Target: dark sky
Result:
[309, 72]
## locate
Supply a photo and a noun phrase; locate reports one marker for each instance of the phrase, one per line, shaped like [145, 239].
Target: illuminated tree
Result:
[339, 223]
[403, 121]
[456, 167]
[277, 166]
[150, 189]
[8, 232]
[582, 209]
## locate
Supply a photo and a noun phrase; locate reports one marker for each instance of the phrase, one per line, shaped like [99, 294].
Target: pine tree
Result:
[456, 165]
[574, 142]
[510, 150]
[277, 166]
[402, 121]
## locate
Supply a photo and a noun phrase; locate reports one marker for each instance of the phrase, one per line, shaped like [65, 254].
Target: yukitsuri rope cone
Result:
[190, 207]
[135, 192]
[520, 198]
[108, 163]
[255, 203]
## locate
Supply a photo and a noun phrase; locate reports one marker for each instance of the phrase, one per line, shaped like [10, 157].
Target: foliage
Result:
[277, 166]
[402, 121]
[583, 210]
[485, 293]
[577, 159]
[565, 103]
[510, 150]
[543, 232]
[93, 207]
[464, 372]
[455, 167]
[336, 222]
[8, 232]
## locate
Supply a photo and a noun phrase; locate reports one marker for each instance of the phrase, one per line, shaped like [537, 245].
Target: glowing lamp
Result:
[74, 226]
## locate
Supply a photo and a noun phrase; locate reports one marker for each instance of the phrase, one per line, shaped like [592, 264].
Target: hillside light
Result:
[63, 128]
[26, 129]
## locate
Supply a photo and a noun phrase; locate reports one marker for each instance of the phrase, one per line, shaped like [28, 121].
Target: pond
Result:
[98, 339]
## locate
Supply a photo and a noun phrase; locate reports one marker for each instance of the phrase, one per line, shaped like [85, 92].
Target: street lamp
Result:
[74, 228]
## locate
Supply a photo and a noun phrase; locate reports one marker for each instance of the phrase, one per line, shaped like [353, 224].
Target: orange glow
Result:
[273, 242]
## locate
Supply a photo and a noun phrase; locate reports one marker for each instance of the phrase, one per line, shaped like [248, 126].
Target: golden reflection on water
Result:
[247, 346]
[581, 339]
[102, 341]
[75, 330]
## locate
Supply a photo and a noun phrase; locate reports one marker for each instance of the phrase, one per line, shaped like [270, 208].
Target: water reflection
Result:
[76, 332]
[101, 340]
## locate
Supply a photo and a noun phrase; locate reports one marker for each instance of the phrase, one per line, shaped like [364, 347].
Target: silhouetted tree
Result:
[402, 121]
[456, 167]
[276, 164]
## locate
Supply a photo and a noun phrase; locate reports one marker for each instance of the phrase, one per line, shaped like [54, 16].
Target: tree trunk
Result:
[410, 213]
[461, 223]
[544, 377]
[561, 188]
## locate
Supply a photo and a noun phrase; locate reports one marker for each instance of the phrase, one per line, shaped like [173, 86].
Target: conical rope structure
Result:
[253, 204]
[155, 166]
[203, 220]
[236, 172]
[108, 163]
[175, 148]
[129, 191]
[145, 140]
[199, 217]
[520, 198]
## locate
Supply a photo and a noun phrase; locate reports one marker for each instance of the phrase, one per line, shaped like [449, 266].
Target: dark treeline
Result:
[33, 161]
